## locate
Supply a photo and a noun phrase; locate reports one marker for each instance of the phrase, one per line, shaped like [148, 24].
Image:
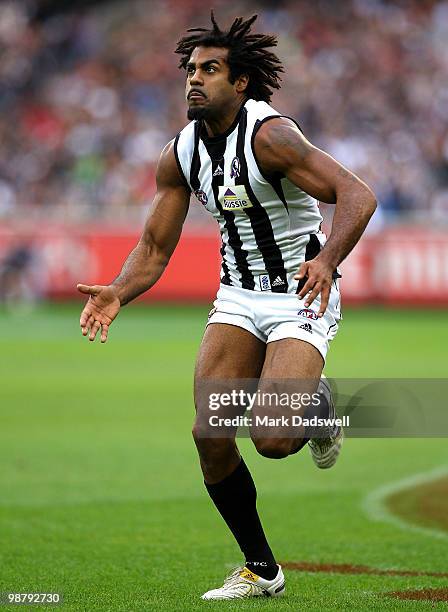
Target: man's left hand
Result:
[319, 276]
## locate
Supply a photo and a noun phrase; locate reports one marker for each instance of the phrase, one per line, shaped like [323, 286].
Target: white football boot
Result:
[325, 449]
[243, 583]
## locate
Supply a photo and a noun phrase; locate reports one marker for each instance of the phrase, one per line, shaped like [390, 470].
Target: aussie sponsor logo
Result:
[234, 197]
[201, 196]
[308, 314]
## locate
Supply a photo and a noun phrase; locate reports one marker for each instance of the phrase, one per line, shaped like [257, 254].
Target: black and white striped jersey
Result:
[268, 225]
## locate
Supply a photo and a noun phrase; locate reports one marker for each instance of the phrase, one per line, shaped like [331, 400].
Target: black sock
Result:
[235, 497]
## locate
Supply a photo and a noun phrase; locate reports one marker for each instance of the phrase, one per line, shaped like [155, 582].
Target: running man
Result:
[278, 304]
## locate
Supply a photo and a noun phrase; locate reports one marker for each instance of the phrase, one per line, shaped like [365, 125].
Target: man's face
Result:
[208, 89]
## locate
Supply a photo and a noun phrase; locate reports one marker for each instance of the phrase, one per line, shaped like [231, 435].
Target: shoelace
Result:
[235, 573]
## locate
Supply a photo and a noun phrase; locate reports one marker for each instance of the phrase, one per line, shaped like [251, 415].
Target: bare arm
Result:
[147, 261]
[281, 147]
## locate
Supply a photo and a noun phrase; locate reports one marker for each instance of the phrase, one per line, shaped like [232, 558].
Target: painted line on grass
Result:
[349, 568]
[376, 509]
[431, 595]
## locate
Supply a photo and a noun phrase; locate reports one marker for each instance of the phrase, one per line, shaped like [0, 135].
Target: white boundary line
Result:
[375, 508]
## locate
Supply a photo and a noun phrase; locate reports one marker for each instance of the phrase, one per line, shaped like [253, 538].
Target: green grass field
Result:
[101, 493]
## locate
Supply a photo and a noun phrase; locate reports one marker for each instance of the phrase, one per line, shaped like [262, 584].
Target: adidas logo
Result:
[277, 282]
[219, 171]
[307, 327]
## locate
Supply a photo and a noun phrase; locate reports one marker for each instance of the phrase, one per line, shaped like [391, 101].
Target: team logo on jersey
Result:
[307, 327]
[234, 197]
[201, 196]
[235, 168]
[308, 314]
[219, 171]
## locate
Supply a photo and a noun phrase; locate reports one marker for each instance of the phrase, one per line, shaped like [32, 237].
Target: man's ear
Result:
[241, 83]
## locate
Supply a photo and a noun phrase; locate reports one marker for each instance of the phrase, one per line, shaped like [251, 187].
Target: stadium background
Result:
[101, 496]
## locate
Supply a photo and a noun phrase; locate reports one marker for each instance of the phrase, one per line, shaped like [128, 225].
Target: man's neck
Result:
[215, 127]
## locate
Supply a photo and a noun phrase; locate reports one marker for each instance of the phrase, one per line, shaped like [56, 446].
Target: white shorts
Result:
[276, 316]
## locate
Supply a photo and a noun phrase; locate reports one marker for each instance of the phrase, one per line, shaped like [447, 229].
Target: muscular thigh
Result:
[291, 366]
[227, 353]
[292, 358]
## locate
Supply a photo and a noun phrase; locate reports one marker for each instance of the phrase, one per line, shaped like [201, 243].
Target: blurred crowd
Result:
[88, 99]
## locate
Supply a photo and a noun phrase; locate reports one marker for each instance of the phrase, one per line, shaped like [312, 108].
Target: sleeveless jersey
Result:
[268, 225]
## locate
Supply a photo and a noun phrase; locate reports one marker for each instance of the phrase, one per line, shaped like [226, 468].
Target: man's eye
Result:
[190, 70]
[211, 69]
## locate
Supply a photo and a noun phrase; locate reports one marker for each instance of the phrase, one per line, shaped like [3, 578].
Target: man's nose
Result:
[196, 77]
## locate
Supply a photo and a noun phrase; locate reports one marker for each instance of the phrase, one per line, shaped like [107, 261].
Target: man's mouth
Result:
[196, 95]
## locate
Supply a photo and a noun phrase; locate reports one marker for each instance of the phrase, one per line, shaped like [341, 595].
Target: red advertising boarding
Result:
[403, 265]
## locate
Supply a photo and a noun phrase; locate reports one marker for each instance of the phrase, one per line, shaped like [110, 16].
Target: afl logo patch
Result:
[234, 197]
[308, 314]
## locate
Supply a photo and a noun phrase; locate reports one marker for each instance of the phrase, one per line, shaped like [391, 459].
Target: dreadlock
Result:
[248, 54]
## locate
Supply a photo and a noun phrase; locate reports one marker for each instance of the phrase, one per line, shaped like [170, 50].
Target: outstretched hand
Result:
[101, 309]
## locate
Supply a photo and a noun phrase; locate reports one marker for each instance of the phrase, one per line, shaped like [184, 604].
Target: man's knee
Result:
[211, 449]
[275, 448]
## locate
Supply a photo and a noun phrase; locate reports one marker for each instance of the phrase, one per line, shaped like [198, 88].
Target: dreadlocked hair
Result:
[248, 54]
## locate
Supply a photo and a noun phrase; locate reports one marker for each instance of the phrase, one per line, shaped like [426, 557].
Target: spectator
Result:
[88, 100]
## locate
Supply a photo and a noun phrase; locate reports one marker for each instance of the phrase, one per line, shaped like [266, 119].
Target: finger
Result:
[84, 318]
[104, 332]
[86, 323]
[324, 298]
[313, 295]
[90, 290]
[307, 287]
[89, 324]
[94, 330]
[301, 273]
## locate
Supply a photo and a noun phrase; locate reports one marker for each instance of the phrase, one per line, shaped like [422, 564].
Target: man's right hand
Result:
[99, 312]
